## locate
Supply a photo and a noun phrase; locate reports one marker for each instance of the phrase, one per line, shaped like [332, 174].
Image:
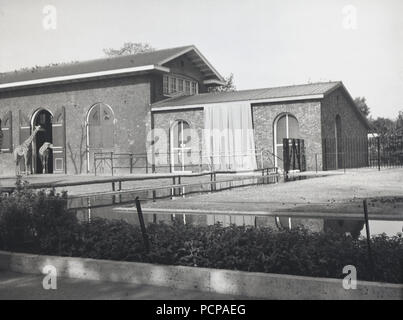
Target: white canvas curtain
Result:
[228, 136]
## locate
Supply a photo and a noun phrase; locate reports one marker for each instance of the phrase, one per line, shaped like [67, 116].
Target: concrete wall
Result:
[129, 98]
[309, 118]
[247, 284]
[353, 131]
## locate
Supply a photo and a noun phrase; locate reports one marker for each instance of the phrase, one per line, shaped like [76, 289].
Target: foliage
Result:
[361, 103]
[129, 48]
[40, 223]
[227, 87]
[37, 222]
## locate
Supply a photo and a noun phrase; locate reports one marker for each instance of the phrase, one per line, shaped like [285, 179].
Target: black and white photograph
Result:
[201, 156]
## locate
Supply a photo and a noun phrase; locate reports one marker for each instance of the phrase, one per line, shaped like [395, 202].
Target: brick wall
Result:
[165, 120]
[353, 132]
[308, 115]
[129, 98]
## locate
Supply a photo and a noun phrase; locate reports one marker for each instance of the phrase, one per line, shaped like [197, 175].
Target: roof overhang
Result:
[255, 101]
[213, 82]
[201, 62]
[83, 76]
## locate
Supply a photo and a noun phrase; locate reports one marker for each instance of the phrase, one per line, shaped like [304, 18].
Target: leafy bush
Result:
[40, 223]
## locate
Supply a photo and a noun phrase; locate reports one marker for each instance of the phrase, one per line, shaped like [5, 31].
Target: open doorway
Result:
[42, 118]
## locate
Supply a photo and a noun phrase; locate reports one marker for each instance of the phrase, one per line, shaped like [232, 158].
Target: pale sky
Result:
[265, 43]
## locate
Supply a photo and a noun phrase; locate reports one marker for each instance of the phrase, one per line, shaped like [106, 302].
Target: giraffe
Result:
[44, 153]
[24, 150]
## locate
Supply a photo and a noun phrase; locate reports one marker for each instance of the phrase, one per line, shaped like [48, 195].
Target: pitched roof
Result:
[283, 93]
[277, 94]
[102, 66]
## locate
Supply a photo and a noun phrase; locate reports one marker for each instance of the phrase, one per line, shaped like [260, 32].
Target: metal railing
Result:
[195, 161]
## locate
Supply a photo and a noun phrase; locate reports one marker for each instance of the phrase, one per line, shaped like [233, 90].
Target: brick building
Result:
[112, 105]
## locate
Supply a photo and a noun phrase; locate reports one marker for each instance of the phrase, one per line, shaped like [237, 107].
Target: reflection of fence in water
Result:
[101, 203]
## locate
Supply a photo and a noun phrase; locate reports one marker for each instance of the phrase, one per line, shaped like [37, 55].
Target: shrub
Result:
[111, 239]
[38, 222]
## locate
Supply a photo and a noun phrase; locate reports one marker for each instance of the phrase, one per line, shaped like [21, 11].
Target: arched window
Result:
[180, 145]
[100, 127]
[285, 126]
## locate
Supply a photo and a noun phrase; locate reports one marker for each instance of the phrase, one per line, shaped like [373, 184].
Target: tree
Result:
[384, 126]
[129, 48]
[399, 123]
[361, 103]
[227, 87]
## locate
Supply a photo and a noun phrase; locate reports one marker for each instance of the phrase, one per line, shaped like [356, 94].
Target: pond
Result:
[102, 205]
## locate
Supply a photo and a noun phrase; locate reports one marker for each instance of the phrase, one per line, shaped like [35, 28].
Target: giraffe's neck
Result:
[31, 137]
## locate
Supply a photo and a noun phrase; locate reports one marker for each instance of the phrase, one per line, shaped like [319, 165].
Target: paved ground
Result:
[16, 286]
[333, 193]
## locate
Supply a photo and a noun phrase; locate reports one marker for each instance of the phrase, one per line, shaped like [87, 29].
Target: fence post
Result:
[379, 154]
[95, 164]
[146, 164]
[131, 163]
[112, 163]
[142, 225]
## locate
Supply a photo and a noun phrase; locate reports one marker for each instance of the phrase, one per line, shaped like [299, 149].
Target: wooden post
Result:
[112, 163]
[95, 164]
[370, 257]
[146, 164]
[211, 181]
[131, 163]
[120, 189]
[379, 153]
[154, 199]
[113, 196]
[142, 225]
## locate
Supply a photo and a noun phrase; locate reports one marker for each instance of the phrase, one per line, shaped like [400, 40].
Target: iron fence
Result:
[373, 152]
[194, 161]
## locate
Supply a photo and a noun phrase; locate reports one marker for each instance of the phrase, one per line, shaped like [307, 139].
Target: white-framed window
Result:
[166, 85]
[194, 88]
[172, 85]
[180, 85]
[181, 150]
[187, 87]
[285, 126]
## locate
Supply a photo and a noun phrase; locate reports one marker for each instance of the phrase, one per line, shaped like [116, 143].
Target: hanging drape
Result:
[228, 136]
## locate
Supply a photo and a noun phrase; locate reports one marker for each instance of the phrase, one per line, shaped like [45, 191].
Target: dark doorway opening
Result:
[44, 119]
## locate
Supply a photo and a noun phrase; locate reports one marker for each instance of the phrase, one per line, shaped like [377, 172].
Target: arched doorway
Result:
[338, 143]
[100, 131]
[42, 118]
[180, 145]
[285, 126]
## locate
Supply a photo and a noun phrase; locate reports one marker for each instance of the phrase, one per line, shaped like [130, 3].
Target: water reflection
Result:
[355, 228]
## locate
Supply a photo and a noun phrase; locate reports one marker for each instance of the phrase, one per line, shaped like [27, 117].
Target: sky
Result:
[264, 43]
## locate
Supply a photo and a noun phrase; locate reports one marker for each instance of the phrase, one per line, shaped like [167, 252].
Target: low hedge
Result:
[40, 223]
